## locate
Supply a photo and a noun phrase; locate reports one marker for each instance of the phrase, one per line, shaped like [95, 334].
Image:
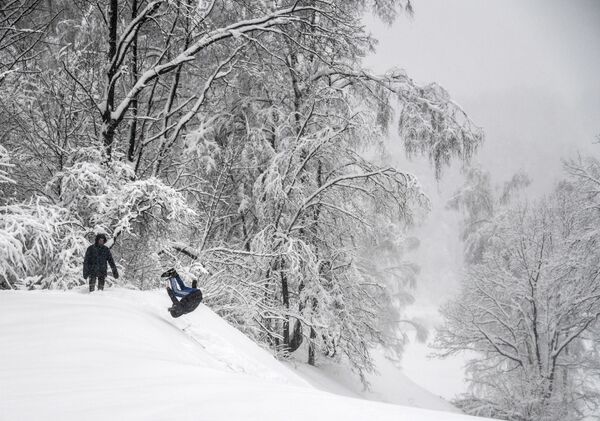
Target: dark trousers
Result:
[101, 279]
[186, 305]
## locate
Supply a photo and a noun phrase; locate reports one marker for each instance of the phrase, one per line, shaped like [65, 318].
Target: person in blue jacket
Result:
[190, 297]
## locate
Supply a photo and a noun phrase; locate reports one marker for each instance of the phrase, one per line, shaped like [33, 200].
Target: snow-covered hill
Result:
[118, 355]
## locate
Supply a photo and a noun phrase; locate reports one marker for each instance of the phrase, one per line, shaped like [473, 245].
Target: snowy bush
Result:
[40, 246]
[44, 239]
[108, 198]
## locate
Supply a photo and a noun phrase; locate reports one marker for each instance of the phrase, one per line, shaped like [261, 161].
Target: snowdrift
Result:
[118, 355]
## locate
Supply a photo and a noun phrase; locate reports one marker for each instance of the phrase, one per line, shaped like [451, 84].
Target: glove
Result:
[115, 274]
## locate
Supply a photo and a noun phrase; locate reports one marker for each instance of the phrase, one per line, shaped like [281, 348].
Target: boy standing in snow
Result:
[94, 265]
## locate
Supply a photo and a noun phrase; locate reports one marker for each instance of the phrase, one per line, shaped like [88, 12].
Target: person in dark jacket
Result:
[190, 297]
[97, 256]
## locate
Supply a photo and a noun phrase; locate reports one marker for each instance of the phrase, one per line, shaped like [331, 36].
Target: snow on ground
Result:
[389, 385]
[118, 355]
[444, 377]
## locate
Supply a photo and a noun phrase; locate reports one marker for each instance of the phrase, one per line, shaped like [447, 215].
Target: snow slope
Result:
[118, 355]
[389, 385]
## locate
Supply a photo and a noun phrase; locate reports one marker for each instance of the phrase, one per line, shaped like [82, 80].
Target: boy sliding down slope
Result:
[190, 297]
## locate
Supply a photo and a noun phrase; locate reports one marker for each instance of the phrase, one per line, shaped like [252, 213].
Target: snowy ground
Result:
[118, 355]
[389, 385]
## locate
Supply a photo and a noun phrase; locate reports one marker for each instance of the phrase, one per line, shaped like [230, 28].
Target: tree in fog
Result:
[530, 301]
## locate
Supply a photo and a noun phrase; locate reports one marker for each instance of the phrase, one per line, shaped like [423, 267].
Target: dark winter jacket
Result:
[96, 259]
[186, 305]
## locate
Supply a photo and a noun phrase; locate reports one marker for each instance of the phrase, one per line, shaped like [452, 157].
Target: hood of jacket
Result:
[98, 237]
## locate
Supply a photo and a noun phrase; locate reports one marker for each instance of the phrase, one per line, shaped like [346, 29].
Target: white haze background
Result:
[528, 72]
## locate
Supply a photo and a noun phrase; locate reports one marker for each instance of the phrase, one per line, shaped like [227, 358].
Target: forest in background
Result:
[243, 142]
[239, 141]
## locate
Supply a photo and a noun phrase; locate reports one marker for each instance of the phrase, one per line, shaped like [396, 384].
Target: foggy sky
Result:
[528, 72]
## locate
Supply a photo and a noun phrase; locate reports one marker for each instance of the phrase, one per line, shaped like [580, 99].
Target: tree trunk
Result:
[311, 347]
[285, 294]
[108, 124]
[134, 102]
[297, 338]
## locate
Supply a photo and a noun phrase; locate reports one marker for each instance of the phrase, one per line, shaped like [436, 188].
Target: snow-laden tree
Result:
[529, 305]
[479, 202]
[5, 166]
[40, 246]
[43, 240]
[243, 143]
[22, 26]
[106, 197]
[287, 183]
